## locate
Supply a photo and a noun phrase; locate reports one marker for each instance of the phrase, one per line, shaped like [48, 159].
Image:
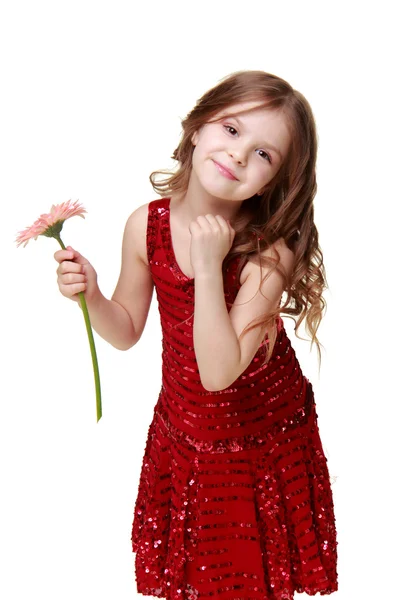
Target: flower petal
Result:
[58, 212]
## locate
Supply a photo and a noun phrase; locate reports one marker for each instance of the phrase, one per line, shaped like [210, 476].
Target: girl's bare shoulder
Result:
[136, 227]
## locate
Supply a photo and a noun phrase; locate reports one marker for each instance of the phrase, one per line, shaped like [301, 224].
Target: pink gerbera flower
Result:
[50, 224]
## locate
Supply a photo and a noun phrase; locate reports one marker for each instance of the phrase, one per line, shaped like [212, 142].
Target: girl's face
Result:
[252, 146]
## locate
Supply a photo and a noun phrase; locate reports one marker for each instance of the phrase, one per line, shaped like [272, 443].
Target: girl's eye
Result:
[267, 156]
[230, 127]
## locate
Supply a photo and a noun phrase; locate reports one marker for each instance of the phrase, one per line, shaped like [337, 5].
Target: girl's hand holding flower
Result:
[76, 274]
[211, 240]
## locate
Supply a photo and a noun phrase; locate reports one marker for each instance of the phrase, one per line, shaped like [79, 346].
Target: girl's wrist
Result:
[93, 300]
[207, 275]
[208, 272]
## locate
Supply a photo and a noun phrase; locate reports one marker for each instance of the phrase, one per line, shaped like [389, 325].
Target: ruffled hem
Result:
[246, 525]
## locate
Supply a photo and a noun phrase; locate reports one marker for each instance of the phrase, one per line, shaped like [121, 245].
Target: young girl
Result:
[234, 498]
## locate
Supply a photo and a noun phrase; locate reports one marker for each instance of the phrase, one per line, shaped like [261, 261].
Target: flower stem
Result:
[91, 343]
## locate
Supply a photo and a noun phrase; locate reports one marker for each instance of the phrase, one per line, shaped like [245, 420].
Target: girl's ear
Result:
[195, 138]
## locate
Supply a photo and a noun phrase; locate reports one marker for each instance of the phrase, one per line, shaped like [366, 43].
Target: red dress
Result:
[234, 500]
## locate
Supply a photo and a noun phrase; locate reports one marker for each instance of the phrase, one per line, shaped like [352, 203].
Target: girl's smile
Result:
[225, 171]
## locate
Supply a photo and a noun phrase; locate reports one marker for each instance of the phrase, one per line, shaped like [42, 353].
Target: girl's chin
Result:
[218, 193]
[219, 188]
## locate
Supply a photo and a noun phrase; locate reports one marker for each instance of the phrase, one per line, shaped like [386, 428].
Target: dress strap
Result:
[153, 223]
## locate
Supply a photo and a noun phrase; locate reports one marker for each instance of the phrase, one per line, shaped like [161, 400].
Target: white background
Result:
[92, 96]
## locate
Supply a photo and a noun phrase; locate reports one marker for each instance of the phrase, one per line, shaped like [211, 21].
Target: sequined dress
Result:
[234, 499]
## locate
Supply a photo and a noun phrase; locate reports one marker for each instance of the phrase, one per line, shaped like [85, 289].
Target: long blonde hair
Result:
[285, 210]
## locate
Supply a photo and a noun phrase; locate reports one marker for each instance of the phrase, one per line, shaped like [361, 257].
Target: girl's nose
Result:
[238, 155]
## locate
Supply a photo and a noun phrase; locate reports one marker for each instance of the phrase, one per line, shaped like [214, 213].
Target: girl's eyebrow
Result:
[267, 144]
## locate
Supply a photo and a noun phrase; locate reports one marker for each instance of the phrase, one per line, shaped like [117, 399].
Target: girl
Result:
[234, 499]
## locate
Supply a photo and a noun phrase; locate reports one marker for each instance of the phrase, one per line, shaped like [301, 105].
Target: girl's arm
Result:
[121, 320]
[220, 357]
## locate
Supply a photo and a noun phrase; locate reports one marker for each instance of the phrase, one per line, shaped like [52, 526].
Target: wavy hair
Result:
[285, 209]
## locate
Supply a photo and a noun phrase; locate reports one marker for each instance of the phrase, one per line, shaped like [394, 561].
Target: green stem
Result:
[91, 343]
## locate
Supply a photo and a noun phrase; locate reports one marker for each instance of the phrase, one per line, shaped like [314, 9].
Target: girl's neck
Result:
[187, 207]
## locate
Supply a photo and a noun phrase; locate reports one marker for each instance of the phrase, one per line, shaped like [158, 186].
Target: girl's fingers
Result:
[71, 278]
[71, 255]
[214, 222]
[69, 267]
[225, 224]
[61, 255]
[72, 290]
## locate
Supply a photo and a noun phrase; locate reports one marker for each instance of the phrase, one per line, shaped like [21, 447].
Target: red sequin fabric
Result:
[234, 499]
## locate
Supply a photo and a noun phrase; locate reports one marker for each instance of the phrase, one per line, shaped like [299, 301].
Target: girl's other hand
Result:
[211, 239]
[76, 274]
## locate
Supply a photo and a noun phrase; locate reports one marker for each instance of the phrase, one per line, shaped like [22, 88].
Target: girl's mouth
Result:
[225, 171]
